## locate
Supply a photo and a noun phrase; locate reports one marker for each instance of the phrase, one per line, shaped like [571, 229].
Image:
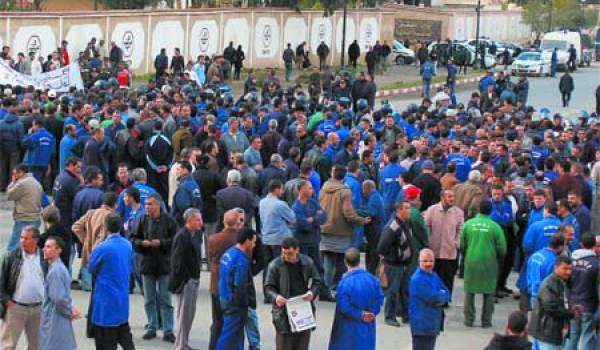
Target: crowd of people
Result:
[145, 184]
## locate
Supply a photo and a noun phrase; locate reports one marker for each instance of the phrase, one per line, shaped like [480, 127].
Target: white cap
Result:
[52, 93]
[8, 92]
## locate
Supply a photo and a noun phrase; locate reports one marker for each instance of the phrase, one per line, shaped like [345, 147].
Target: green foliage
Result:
[130, 4]
[565, 13]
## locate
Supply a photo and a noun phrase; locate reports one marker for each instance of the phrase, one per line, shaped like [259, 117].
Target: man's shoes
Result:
[393, 323]
[327, 297]
[405, 320]
[169, 337]
[506, 290]
[486, 325]
[468, 324]
[149, 335]
[500, 294]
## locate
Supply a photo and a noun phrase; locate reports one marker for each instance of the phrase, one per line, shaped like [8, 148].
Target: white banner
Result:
[59, 80]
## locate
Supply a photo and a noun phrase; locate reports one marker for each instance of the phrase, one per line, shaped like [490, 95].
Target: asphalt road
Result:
[543, 92]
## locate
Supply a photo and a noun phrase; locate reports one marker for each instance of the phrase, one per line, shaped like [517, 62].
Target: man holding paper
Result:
[292, 283]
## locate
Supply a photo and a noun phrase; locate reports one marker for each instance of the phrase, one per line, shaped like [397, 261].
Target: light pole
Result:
[344, 34]
[478, 9]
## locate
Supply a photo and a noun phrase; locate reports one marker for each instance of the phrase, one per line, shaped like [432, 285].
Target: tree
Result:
[546, 15]
[130, 4]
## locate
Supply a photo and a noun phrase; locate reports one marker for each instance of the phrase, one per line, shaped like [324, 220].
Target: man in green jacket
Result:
[420, 232]
[483, 244]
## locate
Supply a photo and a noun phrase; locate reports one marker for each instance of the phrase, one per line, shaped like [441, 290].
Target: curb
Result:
[396, 92]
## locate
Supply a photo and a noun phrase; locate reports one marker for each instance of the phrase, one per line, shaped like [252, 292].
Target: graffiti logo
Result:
[369, 34]
[204, 39]
[34, 44]
[267, 36]
[128, 44]
[322, 32]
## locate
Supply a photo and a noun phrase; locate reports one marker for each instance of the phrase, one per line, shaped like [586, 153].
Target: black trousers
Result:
[292, 341]
[8, 161]
[160, 182]
[566, 97]
[446, 269]
[507, 264]
[107, 338]
[271, 252]
[217, 322]
[372, 258]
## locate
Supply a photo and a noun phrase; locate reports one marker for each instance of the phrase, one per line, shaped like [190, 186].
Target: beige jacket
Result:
[27, 195]
[468, 196]
[89, 229]
[445, 227]
[336, 201]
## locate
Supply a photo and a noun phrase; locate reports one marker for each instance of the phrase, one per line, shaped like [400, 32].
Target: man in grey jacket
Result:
[27, 193]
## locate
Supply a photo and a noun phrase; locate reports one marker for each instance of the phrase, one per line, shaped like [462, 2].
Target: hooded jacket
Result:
[336, 201]
[585, 280]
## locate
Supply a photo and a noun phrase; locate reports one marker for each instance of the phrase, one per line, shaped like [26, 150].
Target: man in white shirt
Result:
[22, 291]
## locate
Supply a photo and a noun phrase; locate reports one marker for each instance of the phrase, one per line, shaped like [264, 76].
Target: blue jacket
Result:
[145, 191]
[307, 233]
[66, 186]
[538, 234]
[463, 165]
[539, 266]
[39, 146]
[373, 207]
[276, 218]
[358, 291]
[572, 220]
[389, 184]
[235, 282]
[65, 150]
[355, 186]
[485, 82]
[535, 215]
[452, 71]
[11, 133]
[427, 70]
[110, 262]
[426, 296]
[584, 280]
[187, 196]
[538, 156]
[87, 198]
[502, 212]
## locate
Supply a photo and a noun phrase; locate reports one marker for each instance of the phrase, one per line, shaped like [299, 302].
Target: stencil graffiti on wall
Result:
[368, 33]
[34, 44]
[131, 38]
[266, 34]
[321, 30]
[204, 38]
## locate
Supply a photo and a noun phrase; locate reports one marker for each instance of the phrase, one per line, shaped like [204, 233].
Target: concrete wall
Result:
[263, 33]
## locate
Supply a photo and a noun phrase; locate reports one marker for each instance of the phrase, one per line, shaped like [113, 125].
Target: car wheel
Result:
[399, 60]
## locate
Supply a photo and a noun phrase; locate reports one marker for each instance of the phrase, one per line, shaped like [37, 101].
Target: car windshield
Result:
[398, 45]
[529, 56]
[550, 44]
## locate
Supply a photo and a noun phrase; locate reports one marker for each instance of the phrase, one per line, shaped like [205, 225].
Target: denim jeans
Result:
[425, 87]
[358, 238]
[288, 72]
[164, 299]
[252, 330]
[394, 297]
[547, 346]
[15, 236]
[581, 330]
[333, 269]
[85, 279]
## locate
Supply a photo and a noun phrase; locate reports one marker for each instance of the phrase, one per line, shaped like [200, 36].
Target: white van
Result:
[561, 40]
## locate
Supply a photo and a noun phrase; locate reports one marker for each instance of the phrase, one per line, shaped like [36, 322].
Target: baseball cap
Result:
[411, 192]
[427, 165]
[52, 94]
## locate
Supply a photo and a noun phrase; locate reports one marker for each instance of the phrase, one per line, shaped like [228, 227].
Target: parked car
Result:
[531, 62]
[461, 49]
[403, 54]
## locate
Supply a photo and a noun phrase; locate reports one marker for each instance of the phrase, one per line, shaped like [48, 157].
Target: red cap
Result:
[411, 192]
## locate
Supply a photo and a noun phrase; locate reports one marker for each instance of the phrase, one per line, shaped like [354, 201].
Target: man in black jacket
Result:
[185, 275]
[235, 196]
[289, 276]
[161, 63]
[322, 52]
[177, 62]
[566, 87]
[353, 53]
[20, 303]
[551, 311]
[152, 239]
[159, 158]
[395, 247]
[516, 334]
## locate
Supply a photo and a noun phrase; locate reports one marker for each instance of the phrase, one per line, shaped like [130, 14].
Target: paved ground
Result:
[543, 92]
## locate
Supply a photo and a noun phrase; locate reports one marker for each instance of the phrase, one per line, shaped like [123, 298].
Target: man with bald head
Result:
[359, 300]
[427, 296]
